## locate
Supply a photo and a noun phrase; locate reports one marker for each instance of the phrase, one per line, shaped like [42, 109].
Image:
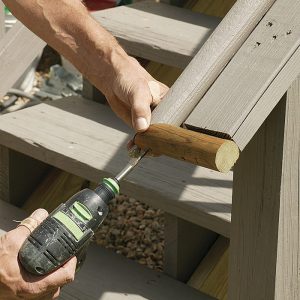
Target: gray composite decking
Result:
[209, 62]
[18, 49]
[255, 79]
[158, 31]
[85, 138]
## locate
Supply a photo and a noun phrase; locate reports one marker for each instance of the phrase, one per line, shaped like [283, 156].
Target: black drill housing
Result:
[52, 244]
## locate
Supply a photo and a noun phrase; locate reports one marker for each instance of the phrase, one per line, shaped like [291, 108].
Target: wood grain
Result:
[86, 139]
[264, 246]
[210, 61]
[197, 148]
[18, 48]
[2, 20]
[211, 276]
[288, 278]
[255, 79]
[109, 276]
[153, 36]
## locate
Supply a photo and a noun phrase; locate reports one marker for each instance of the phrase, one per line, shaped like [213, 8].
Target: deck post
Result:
[264, 246]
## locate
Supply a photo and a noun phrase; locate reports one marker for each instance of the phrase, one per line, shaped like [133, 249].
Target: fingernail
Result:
[141, 124]
[39, 214]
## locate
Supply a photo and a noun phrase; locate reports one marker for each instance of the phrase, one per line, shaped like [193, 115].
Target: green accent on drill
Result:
[6, 10]
[81, 212]
[70, 224]
[112, 184]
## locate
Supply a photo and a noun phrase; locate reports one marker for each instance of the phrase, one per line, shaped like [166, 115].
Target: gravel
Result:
[134, 230]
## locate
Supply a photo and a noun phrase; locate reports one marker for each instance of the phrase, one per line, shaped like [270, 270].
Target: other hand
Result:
[15, 282]
[132, 92]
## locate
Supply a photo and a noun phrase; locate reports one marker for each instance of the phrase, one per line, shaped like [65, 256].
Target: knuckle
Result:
[70, 276]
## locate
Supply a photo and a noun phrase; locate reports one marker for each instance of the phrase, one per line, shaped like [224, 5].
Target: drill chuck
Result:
[67, 231]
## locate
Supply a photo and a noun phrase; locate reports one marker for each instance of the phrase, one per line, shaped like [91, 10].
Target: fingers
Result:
[120, 109]
[61, 276]
[143, 97]
[158, 91]
[49, 295]
[29, 224]
[141, 100]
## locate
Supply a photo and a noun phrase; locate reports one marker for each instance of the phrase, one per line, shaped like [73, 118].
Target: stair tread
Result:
[109, 276]
[158, 31]
[85, 138]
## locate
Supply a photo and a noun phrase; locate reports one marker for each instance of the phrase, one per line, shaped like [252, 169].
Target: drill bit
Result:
[135, 154]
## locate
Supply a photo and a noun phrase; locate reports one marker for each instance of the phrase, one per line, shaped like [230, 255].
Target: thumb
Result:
[29, 224]
[141, 100]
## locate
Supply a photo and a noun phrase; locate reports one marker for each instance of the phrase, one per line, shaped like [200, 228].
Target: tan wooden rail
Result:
[198, 148]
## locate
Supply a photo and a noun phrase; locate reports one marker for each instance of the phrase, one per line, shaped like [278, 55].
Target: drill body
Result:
[66, 232]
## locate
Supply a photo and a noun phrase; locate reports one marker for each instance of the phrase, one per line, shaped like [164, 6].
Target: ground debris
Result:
[134, 230]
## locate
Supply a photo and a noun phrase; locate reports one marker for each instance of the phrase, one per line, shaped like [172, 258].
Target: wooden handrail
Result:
[198, 148]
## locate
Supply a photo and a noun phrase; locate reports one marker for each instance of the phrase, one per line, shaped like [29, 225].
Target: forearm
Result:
[67, 26]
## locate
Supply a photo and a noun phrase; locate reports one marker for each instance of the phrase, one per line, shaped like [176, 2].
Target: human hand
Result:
[132, 92]
[15, 282]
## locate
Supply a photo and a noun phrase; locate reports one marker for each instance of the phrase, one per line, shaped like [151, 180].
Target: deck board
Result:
[18, 49]
[88, 140]
[153, 36]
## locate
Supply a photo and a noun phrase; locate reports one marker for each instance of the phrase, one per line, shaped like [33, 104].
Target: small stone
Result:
[142, 261]
[132, 201]
[115, 232]
[139, 208]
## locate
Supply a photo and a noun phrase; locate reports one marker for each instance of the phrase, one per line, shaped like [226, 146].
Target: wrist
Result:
[103, 58]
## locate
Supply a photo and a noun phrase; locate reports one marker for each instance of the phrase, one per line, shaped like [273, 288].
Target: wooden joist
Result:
[153, 35]
[56, 188]
[256, 78]
[202, 71]
[110, 276]
[18, 49]
[217, 8]
[211, 276]
[86, 139]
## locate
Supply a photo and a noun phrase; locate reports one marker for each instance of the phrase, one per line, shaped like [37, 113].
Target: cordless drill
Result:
[67, 231]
